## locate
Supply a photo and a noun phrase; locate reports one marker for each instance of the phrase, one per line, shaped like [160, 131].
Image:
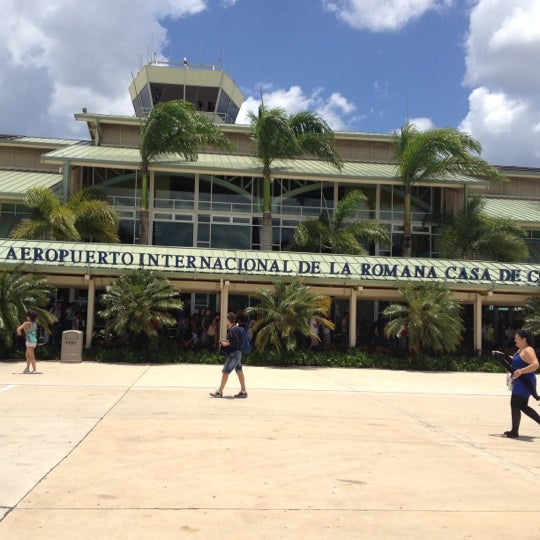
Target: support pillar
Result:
[352, 318]
[90, 311]
[223, 308]
[478, 323]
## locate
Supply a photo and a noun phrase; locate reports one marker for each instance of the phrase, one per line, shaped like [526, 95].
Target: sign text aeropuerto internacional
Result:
[265, 263]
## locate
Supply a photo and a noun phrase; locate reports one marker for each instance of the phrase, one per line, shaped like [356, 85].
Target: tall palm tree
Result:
[472, 233]
[431, 156]
[429, 317]
[86, 217]
[336, 232]
[284, 312]
[173, 127]
[19, 293]
[135, 301]
[280, 136]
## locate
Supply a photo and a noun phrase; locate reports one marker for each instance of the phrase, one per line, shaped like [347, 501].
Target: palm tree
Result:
[19, 293]
[95, 219]
[49, 218]
[278, 136]
[431, 156]
[173, 127]
[337, 233]
[135, 301]
[284, 312]
[531, 321]
[472, 233]
[429, 317]
[86, 217]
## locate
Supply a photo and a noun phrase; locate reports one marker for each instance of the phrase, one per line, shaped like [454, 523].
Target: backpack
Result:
[245, 345]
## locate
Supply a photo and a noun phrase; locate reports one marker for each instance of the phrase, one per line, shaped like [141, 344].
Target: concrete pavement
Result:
[134, 451]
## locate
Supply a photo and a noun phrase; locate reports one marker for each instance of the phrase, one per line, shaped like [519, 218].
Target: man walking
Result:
[232, 347]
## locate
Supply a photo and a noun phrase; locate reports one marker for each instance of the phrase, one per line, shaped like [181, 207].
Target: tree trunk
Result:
[144, 226]
[266, 235]
[406, 223]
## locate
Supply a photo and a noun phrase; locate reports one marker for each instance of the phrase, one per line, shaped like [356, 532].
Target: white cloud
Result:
[382, 15]
[503, 47]
[505, 126]
[422, 123]
[335, 109]
[61, 55]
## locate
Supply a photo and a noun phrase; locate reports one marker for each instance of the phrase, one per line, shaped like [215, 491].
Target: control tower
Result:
[209, 88]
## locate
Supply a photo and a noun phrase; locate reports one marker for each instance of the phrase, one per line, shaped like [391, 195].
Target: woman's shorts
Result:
[31, 344]
[233, 362]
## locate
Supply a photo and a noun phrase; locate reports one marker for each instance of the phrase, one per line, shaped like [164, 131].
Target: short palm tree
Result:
[173, 127]
[429, 317]
[49, 218]
[95, 219]
[19, 293]
[87, 217]
[277, 135]
[531, 320]
[471, 233]
[336, 232]
[138, 300]
[432, 156]
[284, 312]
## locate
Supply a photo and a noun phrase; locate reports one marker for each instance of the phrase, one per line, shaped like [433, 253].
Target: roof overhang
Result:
[238, 165]
[14, 184]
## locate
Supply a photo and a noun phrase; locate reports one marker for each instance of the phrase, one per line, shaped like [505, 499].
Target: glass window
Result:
[231, 237]
[128, 231]
[301, 198]
[176, 191]
[169, 233]
[386, 203]
[225, 193]
[367, 209]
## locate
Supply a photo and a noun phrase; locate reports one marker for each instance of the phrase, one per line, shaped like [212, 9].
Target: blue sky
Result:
[364, 65]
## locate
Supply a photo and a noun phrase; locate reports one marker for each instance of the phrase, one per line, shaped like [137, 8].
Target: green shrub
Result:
[170, 353]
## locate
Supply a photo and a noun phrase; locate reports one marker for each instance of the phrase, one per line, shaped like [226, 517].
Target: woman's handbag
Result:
[509, 382]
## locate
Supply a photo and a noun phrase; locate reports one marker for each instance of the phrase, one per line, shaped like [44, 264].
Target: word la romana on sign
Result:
[90, 257]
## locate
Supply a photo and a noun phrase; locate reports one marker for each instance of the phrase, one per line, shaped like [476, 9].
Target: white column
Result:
[223, 308]
[478, 323]
[352, 318]
[90, 311]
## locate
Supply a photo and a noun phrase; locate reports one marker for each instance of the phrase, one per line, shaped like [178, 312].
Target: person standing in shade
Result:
[232, 347]
[29, 327]
[524, 364]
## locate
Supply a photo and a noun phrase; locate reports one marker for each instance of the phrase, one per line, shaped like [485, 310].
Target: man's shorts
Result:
[233, 362]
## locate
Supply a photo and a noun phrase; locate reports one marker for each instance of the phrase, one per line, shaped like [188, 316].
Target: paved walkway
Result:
[97, 451]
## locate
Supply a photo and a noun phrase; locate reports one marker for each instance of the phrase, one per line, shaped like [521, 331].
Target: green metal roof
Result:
[524, 212]
[239, 165]
[41, 142]
[14, 184]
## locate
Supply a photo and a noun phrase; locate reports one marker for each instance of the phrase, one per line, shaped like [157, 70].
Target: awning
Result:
[237, 165]
[14, 184]
[525, 212]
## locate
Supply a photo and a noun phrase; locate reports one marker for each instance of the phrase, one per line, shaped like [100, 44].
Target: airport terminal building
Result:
[206, 215]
